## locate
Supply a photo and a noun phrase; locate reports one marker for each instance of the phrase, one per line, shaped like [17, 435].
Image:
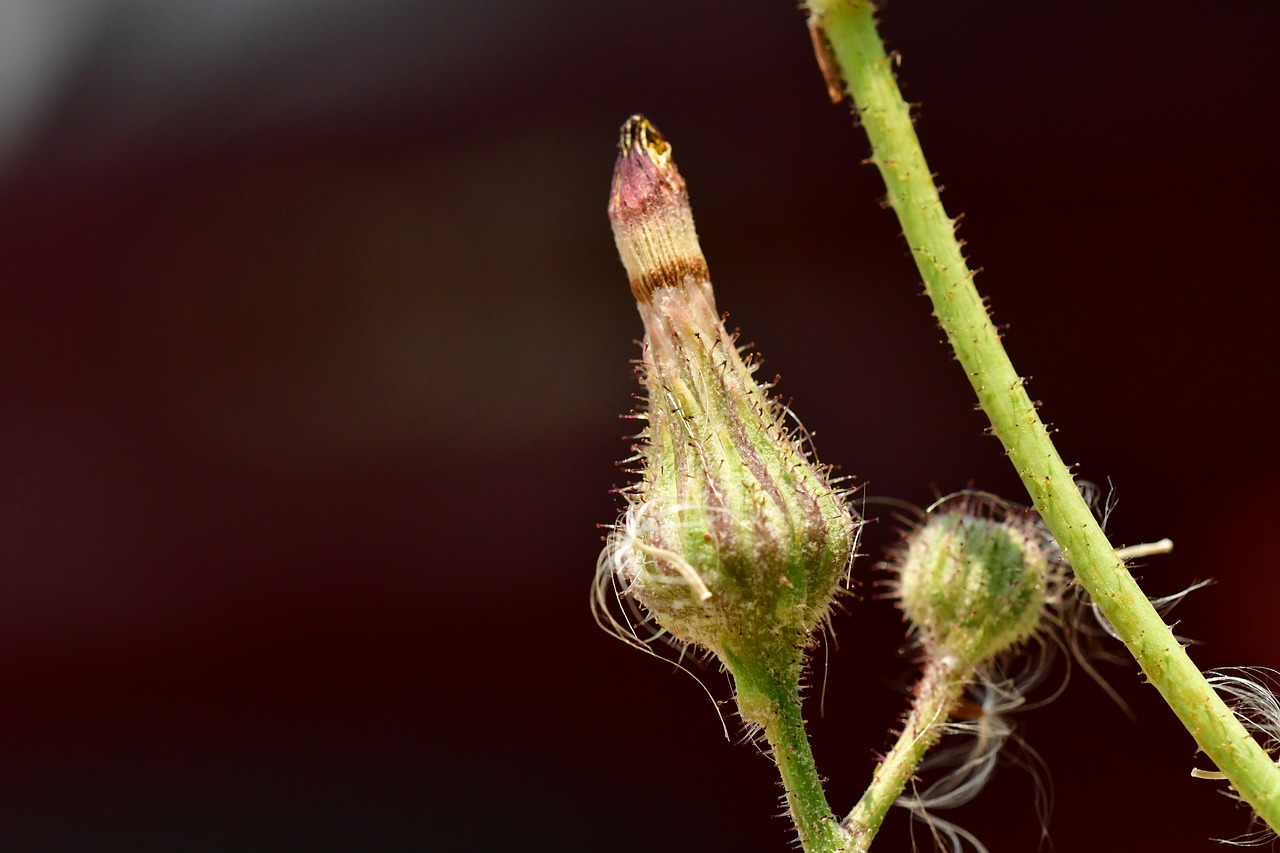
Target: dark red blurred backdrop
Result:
[315, 344]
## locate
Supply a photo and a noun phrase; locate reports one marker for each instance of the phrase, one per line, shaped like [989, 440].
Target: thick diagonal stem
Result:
[867, 71]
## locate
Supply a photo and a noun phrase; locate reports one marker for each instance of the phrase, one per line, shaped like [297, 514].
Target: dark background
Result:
[314, 347]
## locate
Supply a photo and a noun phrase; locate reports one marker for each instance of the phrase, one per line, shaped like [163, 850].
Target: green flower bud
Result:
[734, 539]
[974, 586]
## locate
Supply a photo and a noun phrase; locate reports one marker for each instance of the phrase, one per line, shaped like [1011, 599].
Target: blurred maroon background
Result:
[315, 344]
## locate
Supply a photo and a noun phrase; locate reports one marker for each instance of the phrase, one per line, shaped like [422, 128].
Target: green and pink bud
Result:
[735, 539]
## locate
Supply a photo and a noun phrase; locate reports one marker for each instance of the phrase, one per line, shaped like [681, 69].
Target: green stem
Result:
[940, 687]
[769, 696]
[850, 28]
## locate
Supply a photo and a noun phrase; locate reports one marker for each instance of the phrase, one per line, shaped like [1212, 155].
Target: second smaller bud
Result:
[975, 580]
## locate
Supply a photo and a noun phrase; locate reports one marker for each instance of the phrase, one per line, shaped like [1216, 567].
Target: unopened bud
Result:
[974, 586]
[734, 537]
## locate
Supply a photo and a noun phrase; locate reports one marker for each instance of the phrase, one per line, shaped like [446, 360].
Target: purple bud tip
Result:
[649, 209]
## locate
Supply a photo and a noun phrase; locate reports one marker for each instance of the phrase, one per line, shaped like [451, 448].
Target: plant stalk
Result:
[769, 696]
[849, 26]
[940, 688]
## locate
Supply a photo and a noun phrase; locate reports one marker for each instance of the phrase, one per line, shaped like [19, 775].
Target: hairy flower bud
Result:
[972, 585]
[734, 538]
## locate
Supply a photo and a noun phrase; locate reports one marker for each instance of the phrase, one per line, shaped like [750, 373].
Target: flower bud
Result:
[734, 537]
[973, 586]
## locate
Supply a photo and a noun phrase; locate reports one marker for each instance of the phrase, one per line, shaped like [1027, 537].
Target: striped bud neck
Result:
[649, 210]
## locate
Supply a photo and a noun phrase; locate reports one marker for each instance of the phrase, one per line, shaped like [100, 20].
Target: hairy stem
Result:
[850, 28]
[940, 687]
[769, 696]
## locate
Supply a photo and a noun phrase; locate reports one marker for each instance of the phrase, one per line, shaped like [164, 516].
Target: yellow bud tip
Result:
[639, 135]
[649, 210]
